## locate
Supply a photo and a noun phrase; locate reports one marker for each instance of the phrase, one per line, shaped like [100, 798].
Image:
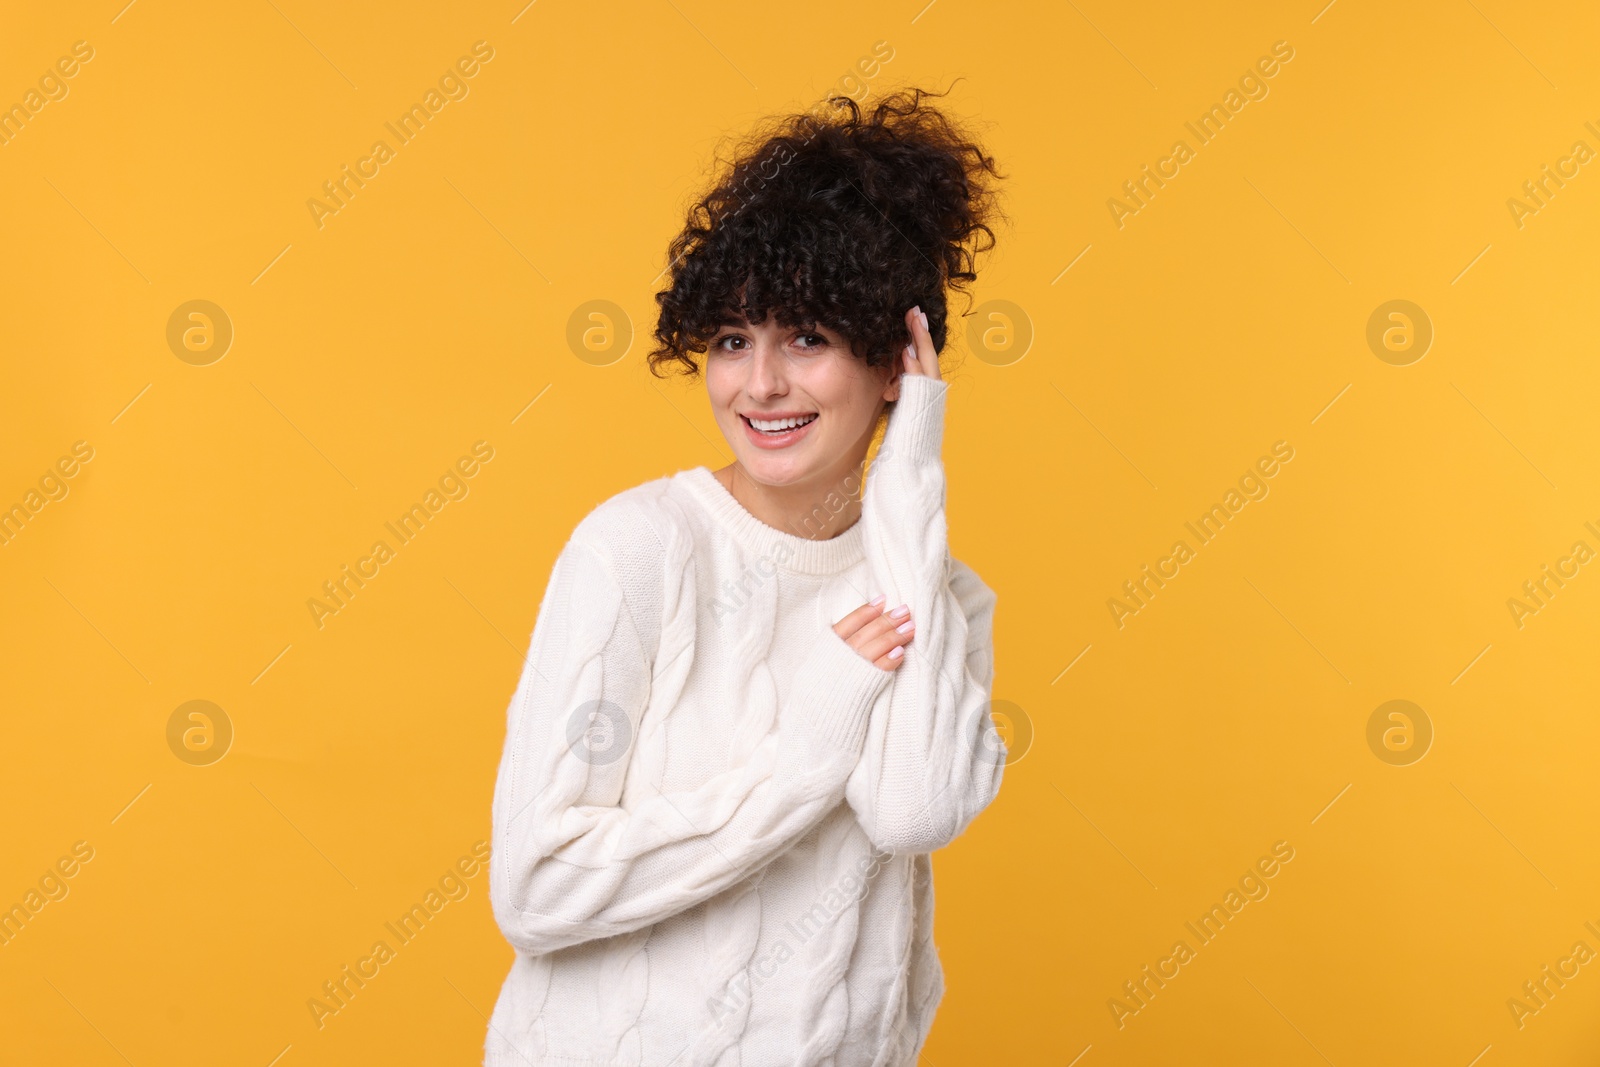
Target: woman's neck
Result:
[818, 511]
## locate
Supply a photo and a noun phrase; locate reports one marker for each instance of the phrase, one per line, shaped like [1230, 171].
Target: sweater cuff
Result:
[836, 691]
[916, 429]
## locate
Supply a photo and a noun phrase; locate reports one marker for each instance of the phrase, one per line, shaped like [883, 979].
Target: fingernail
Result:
[896, 652]
[900, 612]
[879, 599]
[911, 356]
[905, 627]
[917, 311]
[923, 315]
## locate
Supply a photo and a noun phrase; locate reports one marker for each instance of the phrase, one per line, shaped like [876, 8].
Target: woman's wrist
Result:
[915, 433]
[835, 691]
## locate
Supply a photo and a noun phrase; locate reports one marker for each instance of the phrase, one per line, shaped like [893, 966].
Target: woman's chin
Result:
[773, 473]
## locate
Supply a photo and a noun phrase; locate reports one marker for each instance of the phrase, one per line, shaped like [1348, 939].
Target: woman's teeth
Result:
[780, 425]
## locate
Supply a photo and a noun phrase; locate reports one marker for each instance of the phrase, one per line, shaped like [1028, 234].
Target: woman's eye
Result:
[734, 343]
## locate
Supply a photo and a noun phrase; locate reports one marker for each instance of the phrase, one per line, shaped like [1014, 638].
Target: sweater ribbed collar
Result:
[783, 549]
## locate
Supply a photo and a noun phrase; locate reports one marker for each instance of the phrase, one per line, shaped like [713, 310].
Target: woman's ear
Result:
[891, 391]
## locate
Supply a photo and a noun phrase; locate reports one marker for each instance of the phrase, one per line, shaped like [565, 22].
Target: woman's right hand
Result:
[877, 634]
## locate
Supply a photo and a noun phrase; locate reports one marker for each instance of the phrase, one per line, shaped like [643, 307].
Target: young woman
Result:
[756, 698]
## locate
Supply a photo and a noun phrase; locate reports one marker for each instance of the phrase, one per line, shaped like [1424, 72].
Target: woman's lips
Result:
[776, 440]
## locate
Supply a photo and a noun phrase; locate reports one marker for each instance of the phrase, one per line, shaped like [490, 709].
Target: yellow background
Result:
[428, 313]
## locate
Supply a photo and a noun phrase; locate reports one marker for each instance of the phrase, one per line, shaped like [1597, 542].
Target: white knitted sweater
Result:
[713, 817]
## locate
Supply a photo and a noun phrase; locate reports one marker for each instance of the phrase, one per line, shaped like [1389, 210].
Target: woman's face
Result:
[783, 375]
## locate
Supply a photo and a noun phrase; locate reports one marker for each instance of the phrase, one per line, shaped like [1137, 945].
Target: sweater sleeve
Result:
[932, 759]
[572, 862]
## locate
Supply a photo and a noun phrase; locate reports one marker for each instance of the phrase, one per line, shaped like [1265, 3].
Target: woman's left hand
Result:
[919, 357]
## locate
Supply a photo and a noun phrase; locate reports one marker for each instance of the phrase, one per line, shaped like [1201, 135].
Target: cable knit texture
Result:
[713, 817]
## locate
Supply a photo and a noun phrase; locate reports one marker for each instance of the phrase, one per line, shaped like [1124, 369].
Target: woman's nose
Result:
[766, 372]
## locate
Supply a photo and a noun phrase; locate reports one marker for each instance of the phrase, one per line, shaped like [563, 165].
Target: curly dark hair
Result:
[841, 221]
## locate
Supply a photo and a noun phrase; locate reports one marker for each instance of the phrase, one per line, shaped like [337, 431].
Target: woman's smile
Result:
[777, 432]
